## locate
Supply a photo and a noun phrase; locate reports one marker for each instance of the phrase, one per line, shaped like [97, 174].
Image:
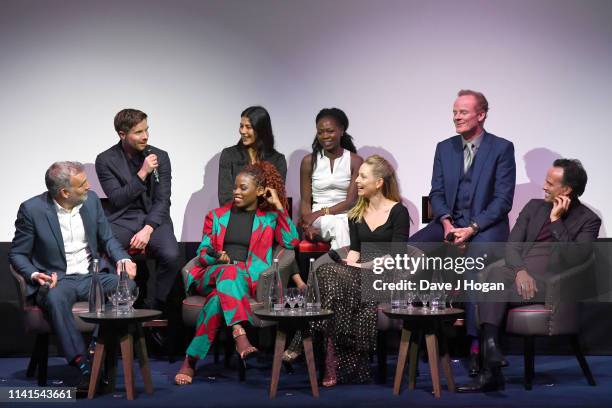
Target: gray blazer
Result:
[232, 161]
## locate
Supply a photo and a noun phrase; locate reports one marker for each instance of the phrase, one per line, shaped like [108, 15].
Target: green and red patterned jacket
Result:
[268, 227]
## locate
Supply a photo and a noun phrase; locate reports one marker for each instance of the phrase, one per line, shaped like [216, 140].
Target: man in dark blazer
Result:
[57, 236]
[537, 249]
[136, 177]
[472, 189]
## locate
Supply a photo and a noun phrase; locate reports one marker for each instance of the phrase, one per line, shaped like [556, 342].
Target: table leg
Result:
[110, 364]
[127, 355]
[279, 348]
[413, 362]
[143, 359]
[401, 361]
[310, 362]
[95, 370]
[446, 361]
[448, 372]
[432, 351]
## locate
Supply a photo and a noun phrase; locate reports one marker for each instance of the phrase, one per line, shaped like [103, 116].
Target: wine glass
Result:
[134, 297]
[300, 297]
[451, 296]
[292, 298]
[411, 296]
[425, 298]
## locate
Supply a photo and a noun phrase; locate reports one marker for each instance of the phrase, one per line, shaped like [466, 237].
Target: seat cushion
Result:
[307, 246]
[529, 320]
[35, 320]
[192, 306]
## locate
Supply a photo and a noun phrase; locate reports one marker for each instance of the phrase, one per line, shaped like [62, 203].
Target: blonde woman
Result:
[378, 216]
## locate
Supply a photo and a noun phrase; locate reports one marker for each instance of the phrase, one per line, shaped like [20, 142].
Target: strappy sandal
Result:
[331, 364]
[249, 351]
[289, 358]
[184, 376]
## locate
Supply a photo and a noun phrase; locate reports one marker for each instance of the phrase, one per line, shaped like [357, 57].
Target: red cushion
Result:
[308, 246]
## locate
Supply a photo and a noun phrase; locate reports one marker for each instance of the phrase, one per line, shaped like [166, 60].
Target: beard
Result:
[80, 200]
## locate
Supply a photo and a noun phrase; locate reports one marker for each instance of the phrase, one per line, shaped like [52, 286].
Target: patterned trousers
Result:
[227, 288]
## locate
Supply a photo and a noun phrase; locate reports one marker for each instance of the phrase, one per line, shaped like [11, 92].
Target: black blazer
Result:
[578, 225]
[232, 161]
[122, 187]
[38, 245]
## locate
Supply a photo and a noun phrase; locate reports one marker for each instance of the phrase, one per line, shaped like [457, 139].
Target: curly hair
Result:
[266, 175]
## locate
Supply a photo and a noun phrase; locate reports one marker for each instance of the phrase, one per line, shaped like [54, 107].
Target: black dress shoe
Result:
[474, 365]
[492, 354]
[487, 381]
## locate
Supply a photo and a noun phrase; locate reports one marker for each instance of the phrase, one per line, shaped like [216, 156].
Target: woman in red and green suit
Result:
[237, 247]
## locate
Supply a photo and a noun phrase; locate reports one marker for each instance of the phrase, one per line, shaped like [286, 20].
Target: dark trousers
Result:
[58, 303]
[493, 309]
[163, 248]
[430, 239]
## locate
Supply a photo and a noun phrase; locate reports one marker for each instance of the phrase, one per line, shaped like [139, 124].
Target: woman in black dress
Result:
[350, 336]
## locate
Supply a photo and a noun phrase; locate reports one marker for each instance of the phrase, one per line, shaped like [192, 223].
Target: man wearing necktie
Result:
[472, 189]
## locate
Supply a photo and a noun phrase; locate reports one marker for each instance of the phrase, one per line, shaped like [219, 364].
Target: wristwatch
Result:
[475, 227]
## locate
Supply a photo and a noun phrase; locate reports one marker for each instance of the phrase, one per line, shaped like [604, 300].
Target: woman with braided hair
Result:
[240, 235]
[327, 180]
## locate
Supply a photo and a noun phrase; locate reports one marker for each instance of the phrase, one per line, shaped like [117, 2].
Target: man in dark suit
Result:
[136, 178]
[472, 188]
[57, 236]
[537, 249]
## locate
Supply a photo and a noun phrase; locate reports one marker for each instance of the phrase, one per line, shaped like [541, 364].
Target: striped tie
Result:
[468, 156]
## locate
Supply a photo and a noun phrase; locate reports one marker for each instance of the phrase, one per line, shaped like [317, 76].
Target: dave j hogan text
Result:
[423, 284]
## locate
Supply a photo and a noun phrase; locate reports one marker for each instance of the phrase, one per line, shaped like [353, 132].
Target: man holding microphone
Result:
[136, 177]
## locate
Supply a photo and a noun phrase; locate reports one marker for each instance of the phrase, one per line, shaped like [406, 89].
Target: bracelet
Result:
[325, 210]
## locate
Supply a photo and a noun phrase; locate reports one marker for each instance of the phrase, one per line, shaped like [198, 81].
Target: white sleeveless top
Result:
[329, 188]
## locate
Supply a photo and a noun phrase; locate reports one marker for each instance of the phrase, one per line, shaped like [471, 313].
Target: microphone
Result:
[335, 256]
[148, 151]
[210, 251]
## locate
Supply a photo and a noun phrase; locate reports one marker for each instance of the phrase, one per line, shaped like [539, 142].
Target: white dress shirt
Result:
[78, 255]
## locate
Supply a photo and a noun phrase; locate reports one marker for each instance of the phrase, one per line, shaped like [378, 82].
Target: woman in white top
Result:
[327, 180]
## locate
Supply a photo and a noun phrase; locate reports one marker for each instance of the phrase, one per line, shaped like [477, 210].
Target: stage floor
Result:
[558, 383]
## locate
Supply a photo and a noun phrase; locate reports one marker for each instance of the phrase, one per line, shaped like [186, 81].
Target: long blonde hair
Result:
[381, 168]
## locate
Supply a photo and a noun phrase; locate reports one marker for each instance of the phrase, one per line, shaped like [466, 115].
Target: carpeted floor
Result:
[558, 383]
